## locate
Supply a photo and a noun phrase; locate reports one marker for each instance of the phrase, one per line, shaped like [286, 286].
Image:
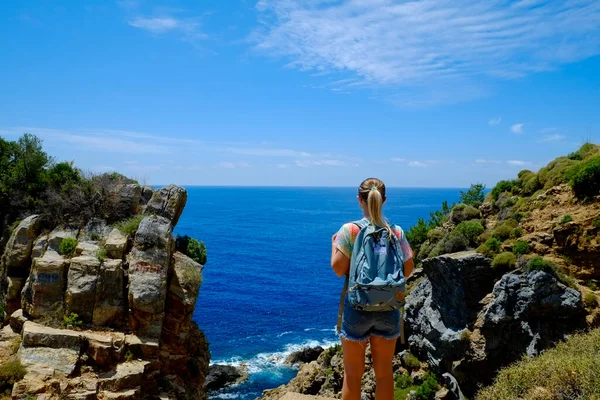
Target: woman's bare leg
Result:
[354, 368]
[382, 352]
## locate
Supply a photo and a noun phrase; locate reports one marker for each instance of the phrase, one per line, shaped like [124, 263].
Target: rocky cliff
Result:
[500, 277]
[103, 311]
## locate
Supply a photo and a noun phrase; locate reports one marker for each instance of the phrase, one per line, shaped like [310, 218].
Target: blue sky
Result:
[434, 93]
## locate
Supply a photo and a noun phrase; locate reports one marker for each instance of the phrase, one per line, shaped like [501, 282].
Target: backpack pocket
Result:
[378, 295]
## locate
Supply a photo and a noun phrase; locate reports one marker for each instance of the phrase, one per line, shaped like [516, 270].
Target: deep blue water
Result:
[267, 287]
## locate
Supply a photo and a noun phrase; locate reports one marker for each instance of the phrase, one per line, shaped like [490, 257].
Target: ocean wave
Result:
[284, 333]
[272, 363]
[225, 396]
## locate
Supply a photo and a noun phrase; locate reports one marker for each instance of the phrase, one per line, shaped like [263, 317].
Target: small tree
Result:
[474, 196]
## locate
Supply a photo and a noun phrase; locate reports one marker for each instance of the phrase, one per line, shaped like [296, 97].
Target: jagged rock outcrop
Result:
[133, 297]
[303, 356]
[220, 376]
[458, 326]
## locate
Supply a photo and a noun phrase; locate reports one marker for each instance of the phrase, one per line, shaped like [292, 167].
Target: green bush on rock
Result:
[521, 247]
[584, 178]
[474, 196]
[131, 225]
[504, 261]
[470, 229]
[11, 372]
[192, 248]
[67, 246]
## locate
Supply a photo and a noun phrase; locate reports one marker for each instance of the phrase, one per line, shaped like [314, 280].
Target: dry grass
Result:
[569, 371]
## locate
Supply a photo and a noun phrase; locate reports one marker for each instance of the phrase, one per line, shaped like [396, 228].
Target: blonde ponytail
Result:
[372, 190]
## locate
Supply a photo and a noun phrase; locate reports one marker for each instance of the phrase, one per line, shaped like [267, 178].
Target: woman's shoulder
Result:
[397, 230]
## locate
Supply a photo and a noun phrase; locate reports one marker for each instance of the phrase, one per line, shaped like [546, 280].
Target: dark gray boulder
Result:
[303, 356]
[220, 376]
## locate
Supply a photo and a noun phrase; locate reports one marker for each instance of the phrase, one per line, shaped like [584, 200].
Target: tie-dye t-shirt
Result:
[346, 236]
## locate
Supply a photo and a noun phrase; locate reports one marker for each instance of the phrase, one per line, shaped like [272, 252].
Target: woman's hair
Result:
[372, 190]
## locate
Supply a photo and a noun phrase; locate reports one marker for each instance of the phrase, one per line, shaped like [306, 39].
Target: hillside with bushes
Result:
[503, 276]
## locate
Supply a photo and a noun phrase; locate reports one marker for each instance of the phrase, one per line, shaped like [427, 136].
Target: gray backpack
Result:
[376, 278]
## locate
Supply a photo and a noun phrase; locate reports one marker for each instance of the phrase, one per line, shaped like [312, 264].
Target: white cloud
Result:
[517, 128]
[387, 42]
[188, 28]
[270, 152]
[417, 164]
[104, 141]
[484, 161]
[323, 163]
[495, 121]
[232, 165]
[519, 163]
[553, 138]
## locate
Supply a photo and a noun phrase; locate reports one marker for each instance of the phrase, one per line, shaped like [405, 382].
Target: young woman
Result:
[358, 328]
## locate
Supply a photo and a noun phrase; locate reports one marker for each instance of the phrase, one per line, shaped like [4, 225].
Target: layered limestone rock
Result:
[109, 319]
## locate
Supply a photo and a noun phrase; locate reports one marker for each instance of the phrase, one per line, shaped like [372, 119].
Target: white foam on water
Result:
[273, 363]
[284, 333]
[225, 396]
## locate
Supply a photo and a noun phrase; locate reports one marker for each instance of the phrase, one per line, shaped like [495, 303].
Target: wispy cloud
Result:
[517, 128]
[519, 163]
[187, 28]
[484, 161]
[552, 138]
[232, 165]
[307, 163]
[95, 140]
[268, 152]
[495, 121]
[386, 42]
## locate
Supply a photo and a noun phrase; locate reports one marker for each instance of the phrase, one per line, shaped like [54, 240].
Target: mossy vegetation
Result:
[568, 371]
[504, 261]
[11, 372]
[67, 247]
[130, 225]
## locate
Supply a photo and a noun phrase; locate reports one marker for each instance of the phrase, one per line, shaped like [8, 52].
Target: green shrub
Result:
[493, 244]
[586, 150]
[67, 246]
[455, 241]
[590, 300]
[474, 196]
[403, 381]
[192, 248]
[490, 248]
[501, 187]
[592, 285]
[62, 175]
[555, 172]
[502, 232]
[463, 212]
[521, 247]
[73, 320]
[538, 263]
[584, 178]
[435, 235]
[11, 372]
[566, 219]
[428, 388]
[95, 236]
[102, 254]
[568, 371]
[417, 234]
[504, 261]
[531, 186]
[411, 361]
[131, 225]
[471, 229]
[517, 232]
[596, 223]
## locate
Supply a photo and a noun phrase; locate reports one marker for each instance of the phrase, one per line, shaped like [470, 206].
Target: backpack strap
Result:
[362, 224]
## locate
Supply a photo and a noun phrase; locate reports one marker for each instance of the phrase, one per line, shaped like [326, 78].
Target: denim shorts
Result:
[359, 326]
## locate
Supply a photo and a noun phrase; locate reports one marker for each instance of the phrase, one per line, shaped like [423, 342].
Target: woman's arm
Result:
[409, 265]
[340, 263]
